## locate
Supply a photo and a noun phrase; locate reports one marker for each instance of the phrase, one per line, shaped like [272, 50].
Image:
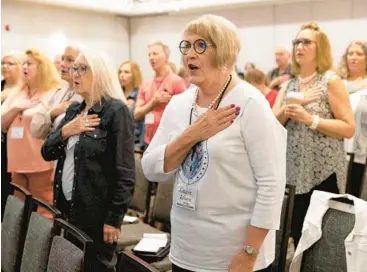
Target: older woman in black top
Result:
[94, 146]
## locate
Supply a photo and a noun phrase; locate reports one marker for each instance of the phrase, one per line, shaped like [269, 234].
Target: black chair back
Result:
[283, 234]
[14, 227]
[38, 239]
[71, 250]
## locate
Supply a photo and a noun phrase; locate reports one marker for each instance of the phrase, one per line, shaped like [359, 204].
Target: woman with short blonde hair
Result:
[226, 152]
[314, 107]
[25, 162]
[95, 173]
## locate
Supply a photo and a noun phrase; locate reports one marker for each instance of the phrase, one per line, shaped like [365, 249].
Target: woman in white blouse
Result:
[353, 69]
[227, 153]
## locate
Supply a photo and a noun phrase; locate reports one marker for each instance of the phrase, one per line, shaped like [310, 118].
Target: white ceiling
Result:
[132, 8]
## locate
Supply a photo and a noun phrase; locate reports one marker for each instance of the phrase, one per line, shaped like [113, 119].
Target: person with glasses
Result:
[283, 71]
[11, 70]
[226, 152]
[94, 146]
[49, 114]
[314, 107]
[25, 162]
[155, 94]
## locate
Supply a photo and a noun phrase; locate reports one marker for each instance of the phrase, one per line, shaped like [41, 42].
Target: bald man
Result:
[282, 73]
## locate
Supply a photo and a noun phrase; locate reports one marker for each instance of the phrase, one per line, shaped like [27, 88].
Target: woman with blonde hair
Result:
[130, 81]
[11, 70]
[25, 162]
[353, 69]
[94, 146]
[314, 107]
[226, 150]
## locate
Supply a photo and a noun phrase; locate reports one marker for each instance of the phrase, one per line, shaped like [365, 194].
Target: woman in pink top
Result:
[25, 162]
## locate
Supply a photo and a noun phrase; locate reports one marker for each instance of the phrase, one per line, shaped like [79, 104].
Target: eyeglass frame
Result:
[192, 45]
[305, 42]
[78, 69]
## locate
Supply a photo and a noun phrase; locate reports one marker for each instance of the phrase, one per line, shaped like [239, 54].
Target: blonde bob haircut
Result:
[105, 80]
[47, 75]
[343, 69]
[324, 59]
[136, 73]
[222, 34]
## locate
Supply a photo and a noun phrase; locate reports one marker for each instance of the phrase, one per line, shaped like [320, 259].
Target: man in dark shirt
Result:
[282, 73]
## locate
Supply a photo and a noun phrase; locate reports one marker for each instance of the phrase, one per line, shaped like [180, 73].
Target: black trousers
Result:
[302, 202]
[354, 184]
[104, 257]
[175, 268]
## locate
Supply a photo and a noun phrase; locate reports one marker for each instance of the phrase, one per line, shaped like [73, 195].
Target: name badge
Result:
[149, 119]
[17, 133]
[186, 196]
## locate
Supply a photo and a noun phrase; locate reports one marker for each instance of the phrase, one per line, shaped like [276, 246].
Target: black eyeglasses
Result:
[304, 42]
[200, 46]
[81, 70]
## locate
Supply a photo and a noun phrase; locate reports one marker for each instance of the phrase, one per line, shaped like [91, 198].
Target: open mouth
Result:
[193, 67]
[76, 83]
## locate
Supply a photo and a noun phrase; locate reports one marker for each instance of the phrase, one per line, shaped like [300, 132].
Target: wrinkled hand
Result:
[214, 121]
[110, 234]
[80, 125]
[59, 109]
[242, 262]
[161, 98]
[298, 113]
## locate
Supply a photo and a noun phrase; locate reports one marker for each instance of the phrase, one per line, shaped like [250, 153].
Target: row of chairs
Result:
[31, 242]
[160, 212]
[23, 227]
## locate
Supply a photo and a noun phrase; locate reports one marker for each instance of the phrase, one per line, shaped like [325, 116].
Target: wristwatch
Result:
[250, 250]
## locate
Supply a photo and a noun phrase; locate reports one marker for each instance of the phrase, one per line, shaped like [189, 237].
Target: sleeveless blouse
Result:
[311, 155]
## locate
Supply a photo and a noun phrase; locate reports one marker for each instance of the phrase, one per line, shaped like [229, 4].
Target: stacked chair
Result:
[33, 243]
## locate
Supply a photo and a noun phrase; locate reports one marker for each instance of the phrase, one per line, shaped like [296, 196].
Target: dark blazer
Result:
[104, 176]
